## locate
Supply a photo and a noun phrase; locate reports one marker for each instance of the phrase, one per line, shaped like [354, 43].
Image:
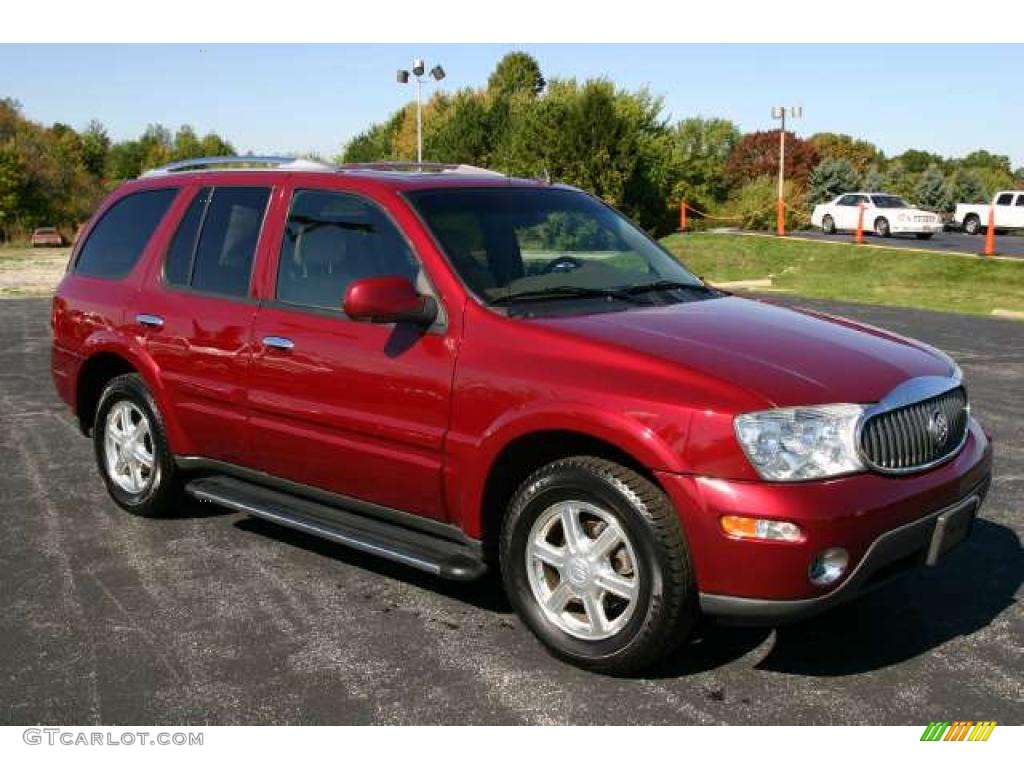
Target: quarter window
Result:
[1020, 201]
[118, 239]
[332, 239]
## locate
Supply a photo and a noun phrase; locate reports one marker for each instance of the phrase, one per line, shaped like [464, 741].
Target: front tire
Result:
[131, 449]
[596, 564]
[828, 225]
[882, 227]
[972, 224]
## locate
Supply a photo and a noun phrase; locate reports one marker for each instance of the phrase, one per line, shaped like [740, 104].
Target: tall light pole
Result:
[418, 68]
[779, 113]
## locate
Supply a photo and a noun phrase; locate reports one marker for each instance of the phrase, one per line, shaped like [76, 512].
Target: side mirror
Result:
[388, 300]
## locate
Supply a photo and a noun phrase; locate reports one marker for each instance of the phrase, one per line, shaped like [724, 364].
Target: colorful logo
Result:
[961, 730]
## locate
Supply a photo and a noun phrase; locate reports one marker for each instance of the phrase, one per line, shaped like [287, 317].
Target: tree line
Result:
[616, 143]
[57, 176]
[619, 145]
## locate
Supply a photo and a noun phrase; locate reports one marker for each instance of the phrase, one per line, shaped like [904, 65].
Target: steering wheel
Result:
[562, 264]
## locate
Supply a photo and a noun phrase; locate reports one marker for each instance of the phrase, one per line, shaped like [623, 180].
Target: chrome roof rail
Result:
[400, 166]
[245, 161]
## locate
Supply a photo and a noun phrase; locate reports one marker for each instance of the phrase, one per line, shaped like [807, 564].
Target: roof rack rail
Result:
[273, 161]
[400, 166]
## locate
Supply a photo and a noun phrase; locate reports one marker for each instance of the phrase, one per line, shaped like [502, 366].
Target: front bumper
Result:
[884, 522]
[913, 228]
[921, 542]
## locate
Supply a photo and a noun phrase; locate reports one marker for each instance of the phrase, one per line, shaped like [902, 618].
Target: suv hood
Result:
[789, 357]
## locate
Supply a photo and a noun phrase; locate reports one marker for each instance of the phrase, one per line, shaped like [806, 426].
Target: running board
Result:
[441, 557]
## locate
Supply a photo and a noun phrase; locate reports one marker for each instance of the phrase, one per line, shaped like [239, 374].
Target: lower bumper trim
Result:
[915, 544]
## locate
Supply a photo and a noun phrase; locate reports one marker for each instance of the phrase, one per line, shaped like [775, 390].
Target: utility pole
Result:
[779, 113]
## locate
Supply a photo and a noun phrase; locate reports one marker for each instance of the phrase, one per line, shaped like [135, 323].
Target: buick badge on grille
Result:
[938, 428]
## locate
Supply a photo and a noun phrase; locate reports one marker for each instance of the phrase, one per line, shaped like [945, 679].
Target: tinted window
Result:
[1004, 199]
[227, 243]
[178, 265]
[847, 200]
[333, 238]
[118, 239]
[1020, 200]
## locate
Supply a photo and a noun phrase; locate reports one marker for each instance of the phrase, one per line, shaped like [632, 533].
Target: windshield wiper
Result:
[667, 285]
[563, 291]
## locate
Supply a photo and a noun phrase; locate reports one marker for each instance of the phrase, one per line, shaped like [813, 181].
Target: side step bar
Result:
[441, 557]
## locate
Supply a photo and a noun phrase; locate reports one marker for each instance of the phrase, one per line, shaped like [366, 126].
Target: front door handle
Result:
[150, 321]
[278, 342]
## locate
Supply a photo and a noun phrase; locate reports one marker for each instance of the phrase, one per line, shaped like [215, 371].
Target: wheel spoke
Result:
[136, 474]
[142, 456]
[617, 585]
[546, 553]
[610, 537]
[575, 538]
[559, 597]
[595, 612]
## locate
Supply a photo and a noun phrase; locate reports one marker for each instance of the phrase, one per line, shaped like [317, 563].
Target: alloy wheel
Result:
[129, 447]
[582, 570]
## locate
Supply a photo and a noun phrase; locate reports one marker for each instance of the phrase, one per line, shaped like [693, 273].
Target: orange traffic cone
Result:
[990, 235]
[860, 225]
[682, 216]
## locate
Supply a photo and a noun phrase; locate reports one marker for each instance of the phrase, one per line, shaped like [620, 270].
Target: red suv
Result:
[459, 371]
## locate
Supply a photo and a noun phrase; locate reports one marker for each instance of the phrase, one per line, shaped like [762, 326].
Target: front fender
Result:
[471, 460]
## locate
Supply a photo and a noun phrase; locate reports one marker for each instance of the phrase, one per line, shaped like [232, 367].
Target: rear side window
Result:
[118, 239]
[178, 267]
[213, 249]
[1004, 199]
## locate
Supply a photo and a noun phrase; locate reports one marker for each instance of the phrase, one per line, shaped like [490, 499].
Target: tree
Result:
[838, 146]
[831, 177]
[757, 155]
[897, 180]
[981, 158]
[517, 72]
[694, 167]
[95, 147]
[931, 191]
[917, 161]
[965, 187]
[874, 180]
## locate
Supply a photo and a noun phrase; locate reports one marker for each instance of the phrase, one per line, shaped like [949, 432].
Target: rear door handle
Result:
[278, 342]
[150, 321]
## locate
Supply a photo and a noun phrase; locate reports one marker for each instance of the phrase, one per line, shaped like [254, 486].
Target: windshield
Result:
[890, 201]
[524, 244]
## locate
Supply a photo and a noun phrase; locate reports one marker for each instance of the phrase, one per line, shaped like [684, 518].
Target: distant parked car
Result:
[47, 236]
[1008, 206]
[884, 215]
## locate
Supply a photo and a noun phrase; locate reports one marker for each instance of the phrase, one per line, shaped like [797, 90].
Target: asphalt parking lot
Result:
[946, 242]
[216, 618]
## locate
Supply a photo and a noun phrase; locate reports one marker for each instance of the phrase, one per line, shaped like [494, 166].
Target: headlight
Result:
[801, 443]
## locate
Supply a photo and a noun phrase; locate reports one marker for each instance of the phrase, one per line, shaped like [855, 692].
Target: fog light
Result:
[828, 566]
[757, 528]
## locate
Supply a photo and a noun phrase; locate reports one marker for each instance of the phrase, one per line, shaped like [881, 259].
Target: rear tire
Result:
[972, 224]
[882, 227]
[131, 449]
[828, 225]
[559, 576]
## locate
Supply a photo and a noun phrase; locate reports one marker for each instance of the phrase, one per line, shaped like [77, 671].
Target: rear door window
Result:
[214, 247]
[120, 236]
[1006, 199]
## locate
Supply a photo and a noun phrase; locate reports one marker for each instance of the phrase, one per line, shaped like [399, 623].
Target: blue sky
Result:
[283, 98]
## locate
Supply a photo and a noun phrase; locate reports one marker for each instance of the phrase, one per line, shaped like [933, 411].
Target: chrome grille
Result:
[911, 437]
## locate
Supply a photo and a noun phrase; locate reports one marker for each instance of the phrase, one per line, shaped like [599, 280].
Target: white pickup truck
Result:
[1009, 213]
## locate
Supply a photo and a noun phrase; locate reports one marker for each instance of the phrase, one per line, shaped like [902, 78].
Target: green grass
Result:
[892, 276]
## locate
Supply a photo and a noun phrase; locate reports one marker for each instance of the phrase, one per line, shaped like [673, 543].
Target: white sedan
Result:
[884, 215]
